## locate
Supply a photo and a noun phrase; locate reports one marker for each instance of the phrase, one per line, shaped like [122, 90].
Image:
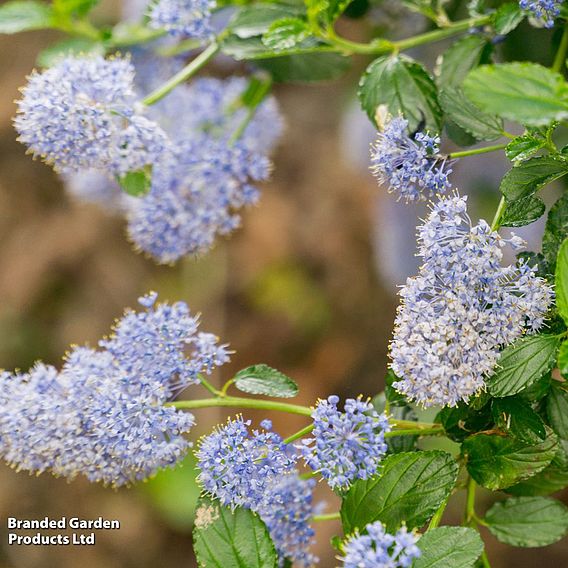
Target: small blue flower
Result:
[544, 12]
[411, 168]
[461, 308]
[188, 18]
[347, 445]
[82, 114]
[379, 549]
[238, 466]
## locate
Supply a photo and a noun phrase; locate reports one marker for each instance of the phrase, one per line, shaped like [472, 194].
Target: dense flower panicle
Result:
[287, 510]
[187, 18]
[237, 466]
[104, 415]
[347, 445]
[195, 197]
[379, 549]
[543, 11]
[410, 167]
[82, 113]
[461, 308]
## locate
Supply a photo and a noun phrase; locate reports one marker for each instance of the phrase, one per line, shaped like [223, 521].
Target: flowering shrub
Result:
[124, 117]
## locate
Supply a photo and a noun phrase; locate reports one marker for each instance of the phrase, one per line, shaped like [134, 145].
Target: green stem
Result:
[327, 517]
[299, 434]
[435, 521]
[239, 402]
[496, 223]
[469, 516]
[408, 424]
[560, 57]
[188, 71]
[477, 151]
[485, 560]
[209, 386]
[434, 431]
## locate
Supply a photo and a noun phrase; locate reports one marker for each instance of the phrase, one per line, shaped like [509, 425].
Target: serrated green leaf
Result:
[410, 487]
[556, 230]
[264, 380]
[507, 17]
[528, 177]
[285, 33]
[462, 420]
[561, 280]
[522, 363]
[523, 147]
[527, 93]
[459, 59]
[563, 359]
[528, 521]
[305, 67]
[24, 15]
[516, 417]
[255, 20]
[404, 86]
[523, 211]
[467, 116]
[136, 183]
[449, 547]
[497, 462]
[557, 410]
[223, 538]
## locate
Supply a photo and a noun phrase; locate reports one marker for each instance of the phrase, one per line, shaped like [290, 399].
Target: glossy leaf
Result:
[561, 280]
[264, 380]
[556, 230]
[516, 417]
[24, 15]
[459, 59]
[557, 410]
[449, 547]
[523, 211]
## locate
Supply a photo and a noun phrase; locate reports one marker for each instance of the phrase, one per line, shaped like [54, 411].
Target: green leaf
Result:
[24, 15]
[523, 147]
[285, 33]
[459, 59]
[528, 521]
[528, 177]
[466, 115]
[66, 47]
[507, 17]
[516, 417]
[237, 539]
[557, 410]
[522, 211]
[523, 363]
[527, 93]
[550, 480]
[462, 420]
[255, 20]
[305, 67]
[497, 462]
[136, 183]
[449, 547]
[404, 87]
[563, 359]
[264, 380]
[410, 488]
[556, 230]
[561, 280]
[74, 7]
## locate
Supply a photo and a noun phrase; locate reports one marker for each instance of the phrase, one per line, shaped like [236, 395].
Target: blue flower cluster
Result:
[543, 11]
[103, 415]
[82, 113]
[461, 308]
[204, 179]
[347, 445]
[256, 470]
[186, 18]
[378, 549]
[410, 167]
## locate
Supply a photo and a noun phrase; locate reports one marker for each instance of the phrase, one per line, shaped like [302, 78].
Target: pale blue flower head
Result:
[379, 549]
[82, 113]
[543, 12]
[346, 445]
[186, 18]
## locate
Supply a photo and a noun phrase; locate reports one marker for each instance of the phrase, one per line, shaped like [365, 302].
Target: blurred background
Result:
[307, 285]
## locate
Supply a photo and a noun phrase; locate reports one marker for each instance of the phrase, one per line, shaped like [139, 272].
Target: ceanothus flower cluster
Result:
[186, 18]
[410, 166]
[461, 308]
[103, 415]
[379, 549]
[82, 113]
[347, 445]
[257, 470]
[543, 11]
